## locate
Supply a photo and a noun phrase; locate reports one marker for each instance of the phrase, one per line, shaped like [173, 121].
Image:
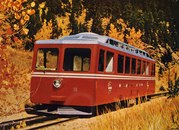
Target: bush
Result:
[174, 90]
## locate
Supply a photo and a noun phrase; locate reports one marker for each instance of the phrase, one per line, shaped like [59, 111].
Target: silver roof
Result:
[93, 38]
[88, 37]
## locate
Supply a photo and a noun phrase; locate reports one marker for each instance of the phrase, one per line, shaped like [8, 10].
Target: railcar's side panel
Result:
[112, 90]
[113, 86]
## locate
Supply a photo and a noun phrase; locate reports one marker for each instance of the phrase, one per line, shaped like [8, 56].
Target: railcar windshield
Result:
[77, 59]
[47, 59]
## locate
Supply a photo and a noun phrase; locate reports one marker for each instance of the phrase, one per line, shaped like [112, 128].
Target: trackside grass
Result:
[159, 114]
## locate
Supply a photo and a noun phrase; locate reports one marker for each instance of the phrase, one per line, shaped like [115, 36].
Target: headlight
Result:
[57, 83]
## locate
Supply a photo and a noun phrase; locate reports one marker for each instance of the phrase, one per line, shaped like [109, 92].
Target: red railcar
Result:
[86, 70]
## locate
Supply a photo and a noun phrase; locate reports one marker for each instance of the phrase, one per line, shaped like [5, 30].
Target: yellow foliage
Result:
[134, 38]
[123, 24]
[1, 39]
[81, 18]
[32, 4]
[22, 22]
[114, 33]
[26, 18]
[25, 31]
[40, 14]
[63, 5]
[63, 23]
[89, 24]
[29, 11]
[167, 24]
[5, 82]
[118, 34]
[42, 5]
[19, 15]
[70, 2]
[16, 27]
[105, 22]
[2, 16]
[46, 10]
[23, 13]
[45, 32]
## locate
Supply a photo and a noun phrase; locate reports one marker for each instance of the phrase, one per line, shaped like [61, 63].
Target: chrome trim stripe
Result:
[90, 76]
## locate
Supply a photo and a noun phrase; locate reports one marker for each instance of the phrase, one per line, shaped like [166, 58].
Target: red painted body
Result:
[89, 88]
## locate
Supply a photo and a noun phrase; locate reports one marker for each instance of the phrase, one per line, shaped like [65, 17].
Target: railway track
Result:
[41, 121]
[155, 95]
[35, 122]
[159, 94]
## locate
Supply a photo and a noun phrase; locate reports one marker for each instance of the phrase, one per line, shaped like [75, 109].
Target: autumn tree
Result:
[14, 17]
[17, 15]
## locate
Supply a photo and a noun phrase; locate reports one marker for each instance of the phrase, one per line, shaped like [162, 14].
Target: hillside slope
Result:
[15, 82]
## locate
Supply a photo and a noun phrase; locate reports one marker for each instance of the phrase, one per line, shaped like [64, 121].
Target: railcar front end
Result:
[61, 76]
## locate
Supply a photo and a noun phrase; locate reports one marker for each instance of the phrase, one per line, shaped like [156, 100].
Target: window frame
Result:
[36, 58]
[143, 67]
[137, 66]
[105, 61]
[147, 71]
[135, 70]
[123, 63]
[109, 52]
[127, 69]
[72, 59]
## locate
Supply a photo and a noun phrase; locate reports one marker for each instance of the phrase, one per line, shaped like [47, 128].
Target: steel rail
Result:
[164, 93]
[13, 123]
[40, 126]
[28, 121]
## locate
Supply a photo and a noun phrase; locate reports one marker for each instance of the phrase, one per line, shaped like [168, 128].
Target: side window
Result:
[47, 59]
[77, 63]
[120, 64]
[86, 64]
[153, 70]
[143, 67]
[127, 65]
[77, 59]
[109, 61]
[138, 66]
[147, 69]
[101, 61]
[133, 66]
[81, 63]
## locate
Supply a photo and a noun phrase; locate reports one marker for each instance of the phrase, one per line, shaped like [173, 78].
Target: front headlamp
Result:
[57, 83]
